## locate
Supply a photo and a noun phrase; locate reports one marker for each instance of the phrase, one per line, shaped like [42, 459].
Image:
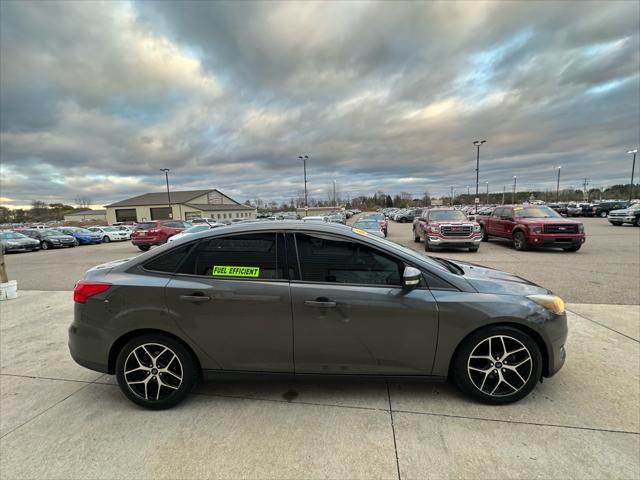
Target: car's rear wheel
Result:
[106, 239]
[416, 238]
[520, 241]
[617, 224]
[144, 248]
[45, 246]
[155, 371]
[473, 249]
[497, 365]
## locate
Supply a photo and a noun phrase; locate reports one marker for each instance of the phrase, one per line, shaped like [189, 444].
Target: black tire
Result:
[76, 242]
[485, 236]
[520, 242]
[106, 239]
[530, 371]
[427, 247]
[144, 248]
[403, 220]
[616, 224]
[603, 214]
[572, 249]
[173, 391]
[416, 238]
[44, 246]
[473, 249]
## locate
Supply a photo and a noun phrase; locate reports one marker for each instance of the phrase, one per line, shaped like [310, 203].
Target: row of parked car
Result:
[42, 238]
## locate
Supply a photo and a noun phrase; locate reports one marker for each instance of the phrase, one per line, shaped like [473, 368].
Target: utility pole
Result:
[166, 177]
[477, 143]
[504, 190]
[515, 183]
[451, 200]
[633, 168]
[585, 184]
[335, 204]
[304, 164]
[487, 201]
[558, 185]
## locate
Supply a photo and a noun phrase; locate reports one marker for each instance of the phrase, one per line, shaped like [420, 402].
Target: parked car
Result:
[626, 215]
[110, 234]
[369, 225]
[574, 210]
[381, 219]
[532, 226]
[446, 227]
[125, 228]
[316, 219]
[49, 238]
[337, 218]
[156, 232]
[15, 242]
[83, 236]
[341, 304]
[602, 209]
[196, 229]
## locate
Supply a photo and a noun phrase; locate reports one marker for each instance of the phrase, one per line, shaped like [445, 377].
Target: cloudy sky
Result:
[96, 97]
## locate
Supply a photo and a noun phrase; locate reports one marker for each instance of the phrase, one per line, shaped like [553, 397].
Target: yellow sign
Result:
[359, 232]
[228, 271]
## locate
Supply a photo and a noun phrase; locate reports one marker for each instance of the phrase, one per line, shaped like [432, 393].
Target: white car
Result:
[195, 229]
[124, 228]
[315, 219]
[111, 234]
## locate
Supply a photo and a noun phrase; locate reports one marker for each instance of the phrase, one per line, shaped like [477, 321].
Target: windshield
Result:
[109, 229]
[82, 230]
[9, 235]
[367, 225]
[50, 233]
[197, 228]
[536, 212]
[451, 215]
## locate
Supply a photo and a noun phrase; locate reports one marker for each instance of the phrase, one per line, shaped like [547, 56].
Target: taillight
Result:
[85, 289]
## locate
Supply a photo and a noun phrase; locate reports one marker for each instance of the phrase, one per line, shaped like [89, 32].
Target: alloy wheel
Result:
[153, 371]
[500, 366]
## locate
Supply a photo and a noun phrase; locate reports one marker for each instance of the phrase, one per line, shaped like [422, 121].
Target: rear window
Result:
[146, 225]
[168, 262]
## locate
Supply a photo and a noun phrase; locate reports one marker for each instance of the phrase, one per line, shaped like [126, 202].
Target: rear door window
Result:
[251, 256]
[168, 262]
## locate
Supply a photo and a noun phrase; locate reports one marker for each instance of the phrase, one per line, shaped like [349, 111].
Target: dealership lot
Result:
[59, 420]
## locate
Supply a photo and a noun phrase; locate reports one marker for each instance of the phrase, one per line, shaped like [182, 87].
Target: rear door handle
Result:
[320, 304]
[195, 298]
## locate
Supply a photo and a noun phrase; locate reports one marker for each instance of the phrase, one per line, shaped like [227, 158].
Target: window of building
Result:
[329, 260]
[251, 256]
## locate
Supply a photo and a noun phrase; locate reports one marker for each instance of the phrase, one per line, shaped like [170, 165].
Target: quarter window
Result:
[328, 260]
[168, 262]
[252, 256]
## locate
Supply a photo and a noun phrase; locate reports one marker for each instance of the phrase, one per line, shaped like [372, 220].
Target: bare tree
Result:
[82, 202]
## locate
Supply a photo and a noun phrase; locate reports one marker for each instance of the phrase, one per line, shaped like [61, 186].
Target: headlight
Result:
[54, 240]
[476, 228]
[553, 303]
[581, 228]
[535, 228]
[435, 228]
[12, 244]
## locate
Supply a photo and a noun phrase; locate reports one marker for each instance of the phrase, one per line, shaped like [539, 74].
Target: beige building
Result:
[86, 215]
[185, 205]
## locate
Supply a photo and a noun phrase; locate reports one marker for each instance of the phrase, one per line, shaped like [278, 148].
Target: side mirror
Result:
[411, 277]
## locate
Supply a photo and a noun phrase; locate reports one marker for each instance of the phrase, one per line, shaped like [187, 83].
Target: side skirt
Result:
[222, 375]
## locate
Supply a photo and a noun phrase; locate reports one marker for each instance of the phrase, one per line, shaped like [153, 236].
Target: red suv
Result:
[533, 226]
[156, 232]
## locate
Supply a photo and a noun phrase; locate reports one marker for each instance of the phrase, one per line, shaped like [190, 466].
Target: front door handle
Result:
[320, 303]
[195, 298]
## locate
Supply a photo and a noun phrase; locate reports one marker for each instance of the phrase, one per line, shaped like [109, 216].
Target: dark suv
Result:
[156, 232]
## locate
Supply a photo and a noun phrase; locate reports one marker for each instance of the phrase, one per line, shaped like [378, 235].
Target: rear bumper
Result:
[88, 345]
[148, 241]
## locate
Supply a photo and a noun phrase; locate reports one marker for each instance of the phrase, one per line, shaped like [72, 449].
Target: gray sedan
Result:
[14, 242]
[289, 299]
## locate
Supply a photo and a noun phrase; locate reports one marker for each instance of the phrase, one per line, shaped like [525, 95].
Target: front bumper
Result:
[437, 241]
[560, 241]
[557, 331]
[627, 219]
[21, 248]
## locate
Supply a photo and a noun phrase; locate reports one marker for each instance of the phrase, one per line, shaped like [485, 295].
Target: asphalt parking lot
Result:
[59, 420]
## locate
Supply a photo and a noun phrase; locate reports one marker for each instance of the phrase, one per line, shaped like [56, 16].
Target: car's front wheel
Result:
[617, 224]
[603, 214]
[144, 248]
[485, 237]
[497, 365]
[106, 239]
[155, 371]
[45, 246]
[520, 241]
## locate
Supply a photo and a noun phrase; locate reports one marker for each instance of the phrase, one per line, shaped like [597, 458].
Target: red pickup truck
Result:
[446, 227]
[533, 226]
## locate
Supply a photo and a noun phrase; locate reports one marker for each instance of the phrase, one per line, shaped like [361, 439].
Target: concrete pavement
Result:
[58, 420]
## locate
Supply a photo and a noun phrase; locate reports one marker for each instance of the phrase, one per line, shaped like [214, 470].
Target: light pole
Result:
[515, 183]
[304, 164]
[504, 190]
[451, 201]
[633, 168]
[477, 143]
[335, 204]
[166, 177]
[558, 185]
[487, 193]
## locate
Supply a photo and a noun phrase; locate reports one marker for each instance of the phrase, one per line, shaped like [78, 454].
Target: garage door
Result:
[126, 215]
[161, 213]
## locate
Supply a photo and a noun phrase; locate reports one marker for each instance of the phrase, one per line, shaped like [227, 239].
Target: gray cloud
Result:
[96, 97]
